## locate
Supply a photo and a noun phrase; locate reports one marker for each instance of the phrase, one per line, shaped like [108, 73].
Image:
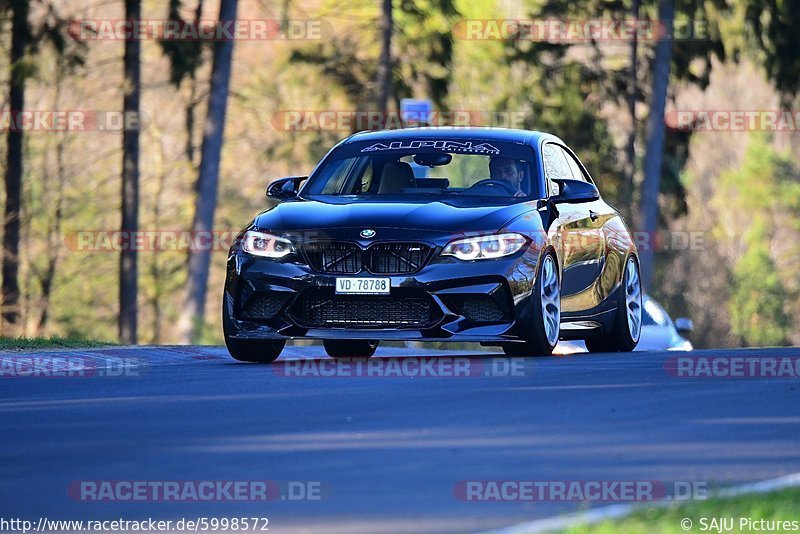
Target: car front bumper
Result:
[484, 300]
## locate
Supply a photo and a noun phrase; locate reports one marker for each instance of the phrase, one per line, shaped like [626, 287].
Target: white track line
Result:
[616, 511]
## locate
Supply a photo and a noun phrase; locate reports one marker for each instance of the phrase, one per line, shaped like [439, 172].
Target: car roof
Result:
[526, 137]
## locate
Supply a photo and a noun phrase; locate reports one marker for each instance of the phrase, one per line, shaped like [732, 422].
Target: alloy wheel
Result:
[551, 300]
[633, 299]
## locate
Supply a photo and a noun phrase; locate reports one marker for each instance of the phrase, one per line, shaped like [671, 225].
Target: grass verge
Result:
[16, 344]
[778, 506]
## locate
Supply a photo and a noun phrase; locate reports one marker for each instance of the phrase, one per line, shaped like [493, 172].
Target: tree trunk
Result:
[192, 105]
[20, 36]
[649, 212]
[385, 65]
[192, 317]
[128, 272]
[157, 273]
[54, 238]
[630, 148]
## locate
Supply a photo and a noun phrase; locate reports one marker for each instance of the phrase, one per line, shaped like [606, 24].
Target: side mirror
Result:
[284, 188]
[575, 191]
[684, 325]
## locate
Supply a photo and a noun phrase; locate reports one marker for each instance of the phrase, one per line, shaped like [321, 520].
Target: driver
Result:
[508, 170]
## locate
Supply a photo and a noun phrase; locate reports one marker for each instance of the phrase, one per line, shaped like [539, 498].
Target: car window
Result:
[555, 166]
[338, 172]
[428, 168]
[575, 169]
[462, 171]
[366, 178]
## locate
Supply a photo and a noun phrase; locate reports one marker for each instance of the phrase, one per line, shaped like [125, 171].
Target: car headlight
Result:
[485, 247]
[266, 245]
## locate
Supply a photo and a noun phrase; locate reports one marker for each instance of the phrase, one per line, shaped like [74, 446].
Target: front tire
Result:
[255, 351]
[248, 350]
[350, 348]
[624, 334]
[545, 327]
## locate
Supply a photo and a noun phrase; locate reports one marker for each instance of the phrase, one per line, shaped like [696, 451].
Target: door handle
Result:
[593, 215]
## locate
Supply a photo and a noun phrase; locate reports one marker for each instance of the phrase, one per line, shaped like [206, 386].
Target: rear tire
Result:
[255, 351]
[624, 334]
[350, 348]
[545, 326]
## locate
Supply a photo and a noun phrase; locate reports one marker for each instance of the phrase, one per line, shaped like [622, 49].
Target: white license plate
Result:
[363, 286]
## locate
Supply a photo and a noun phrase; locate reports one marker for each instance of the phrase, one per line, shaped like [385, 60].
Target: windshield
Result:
[426, 169]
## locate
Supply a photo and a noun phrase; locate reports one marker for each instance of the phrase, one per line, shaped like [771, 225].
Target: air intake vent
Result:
[482, 310]
[354, 310]
[263, 305]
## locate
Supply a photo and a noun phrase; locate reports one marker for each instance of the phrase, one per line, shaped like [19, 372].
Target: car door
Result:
[581, 244]
[598, 214]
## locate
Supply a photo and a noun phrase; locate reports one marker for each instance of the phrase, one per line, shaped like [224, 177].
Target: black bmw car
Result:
[435, 234]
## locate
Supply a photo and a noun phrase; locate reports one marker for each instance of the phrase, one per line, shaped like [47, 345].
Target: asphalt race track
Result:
[385, 453]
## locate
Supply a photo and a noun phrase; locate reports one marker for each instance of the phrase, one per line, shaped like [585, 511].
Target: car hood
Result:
[454, 216]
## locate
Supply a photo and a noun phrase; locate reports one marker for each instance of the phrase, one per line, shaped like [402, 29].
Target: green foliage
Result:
[698, 40]
[676, 154]
[54, 31]
[51, 29]
[764, 191]
[185, 56]
[340, 60]
[774, 24]
[756, 306]
[425, 44]
[422, 53]
[764, 178]
[576, 79]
